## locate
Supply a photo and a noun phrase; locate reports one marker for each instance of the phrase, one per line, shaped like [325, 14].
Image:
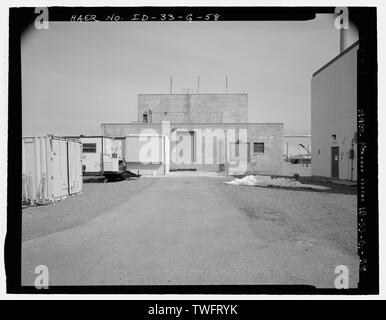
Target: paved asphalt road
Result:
[182, 231]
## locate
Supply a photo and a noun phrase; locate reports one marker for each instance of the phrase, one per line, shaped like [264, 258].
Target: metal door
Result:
[335, 162]
[59, 168]
[74, 167]
[185, 147]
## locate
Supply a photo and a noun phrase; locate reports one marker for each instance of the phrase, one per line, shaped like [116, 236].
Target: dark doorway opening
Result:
[335, 162]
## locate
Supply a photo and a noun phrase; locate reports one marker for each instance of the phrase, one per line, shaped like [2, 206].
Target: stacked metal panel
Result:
[51, 169]
[74, 156]
[147, 154]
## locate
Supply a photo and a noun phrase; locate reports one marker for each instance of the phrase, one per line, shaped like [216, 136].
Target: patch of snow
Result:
[266, 181]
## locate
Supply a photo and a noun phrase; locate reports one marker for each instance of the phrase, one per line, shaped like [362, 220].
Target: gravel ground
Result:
[322, 223]
[333, 187]
[95, 199]
[320, 215]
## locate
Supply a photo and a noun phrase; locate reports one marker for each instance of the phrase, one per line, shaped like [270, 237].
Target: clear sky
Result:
[77, 75]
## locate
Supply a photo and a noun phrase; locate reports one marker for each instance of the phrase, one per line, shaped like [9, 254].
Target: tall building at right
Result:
[334, 117]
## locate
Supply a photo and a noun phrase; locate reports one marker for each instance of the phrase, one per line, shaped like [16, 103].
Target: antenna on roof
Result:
[226, 84]
[198, 85]
[171, 85]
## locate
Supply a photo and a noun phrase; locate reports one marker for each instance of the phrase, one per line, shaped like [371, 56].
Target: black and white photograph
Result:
[192, 150]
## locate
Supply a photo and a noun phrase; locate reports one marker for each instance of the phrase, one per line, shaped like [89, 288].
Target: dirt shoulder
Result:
[308, 233]
[326, 216]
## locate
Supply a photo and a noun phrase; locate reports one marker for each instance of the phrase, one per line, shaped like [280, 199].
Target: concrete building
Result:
[334, 117]
[207, 132]
[193, 108]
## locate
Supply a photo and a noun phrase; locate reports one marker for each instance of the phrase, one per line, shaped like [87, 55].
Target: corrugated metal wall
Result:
[60, 170]
[36, 170]
[146, 154]
[75, 167]
[51, 169]
[145, 149]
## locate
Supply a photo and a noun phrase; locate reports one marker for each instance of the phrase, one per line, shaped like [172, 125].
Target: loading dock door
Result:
[335, 162]
[185, 147]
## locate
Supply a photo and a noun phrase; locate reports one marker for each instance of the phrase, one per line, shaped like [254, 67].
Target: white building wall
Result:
[333, 112]
[74, 156]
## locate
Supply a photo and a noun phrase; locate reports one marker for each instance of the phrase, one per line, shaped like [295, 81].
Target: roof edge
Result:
[190, 94]
[201, 123]
[336, 58]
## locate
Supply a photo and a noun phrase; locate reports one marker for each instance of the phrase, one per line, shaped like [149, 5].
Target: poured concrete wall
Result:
[269, 162]
[194, 108]
[334, 112]
[163, 107]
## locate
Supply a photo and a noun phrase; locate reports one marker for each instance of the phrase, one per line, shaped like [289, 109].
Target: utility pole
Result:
[287, 150]
[226, 157]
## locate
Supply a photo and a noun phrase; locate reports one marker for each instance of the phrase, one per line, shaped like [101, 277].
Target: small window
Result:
[258, 147]
[89, 147]
[145, 117]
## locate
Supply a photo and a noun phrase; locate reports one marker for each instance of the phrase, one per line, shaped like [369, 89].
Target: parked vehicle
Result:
[100, 157]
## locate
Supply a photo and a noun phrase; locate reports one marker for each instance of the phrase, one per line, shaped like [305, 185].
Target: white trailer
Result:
[100, 157]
